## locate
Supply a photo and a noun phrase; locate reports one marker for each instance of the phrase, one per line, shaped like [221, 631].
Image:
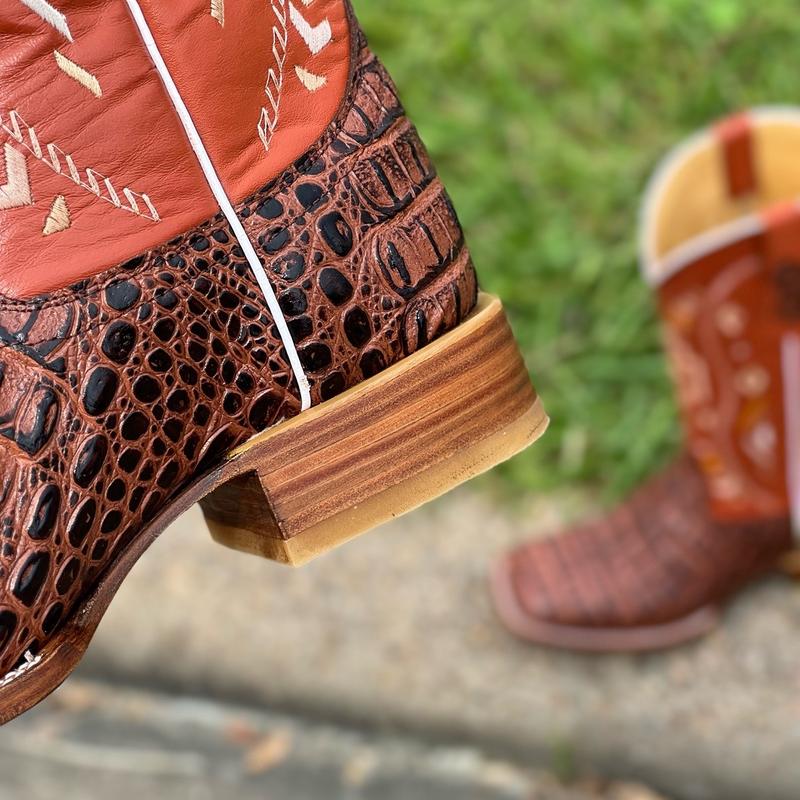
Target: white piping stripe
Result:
[50, 15]
[790, 367]
[225, 205]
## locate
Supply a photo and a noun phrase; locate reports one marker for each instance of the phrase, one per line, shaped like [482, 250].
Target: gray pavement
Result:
[94, 741]
[394, 631]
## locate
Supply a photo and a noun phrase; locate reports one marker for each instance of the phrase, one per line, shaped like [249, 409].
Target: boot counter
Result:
[366, 251]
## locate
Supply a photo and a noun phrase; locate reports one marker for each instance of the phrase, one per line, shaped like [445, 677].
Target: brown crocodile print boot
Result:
[229, 275]
[721, 246]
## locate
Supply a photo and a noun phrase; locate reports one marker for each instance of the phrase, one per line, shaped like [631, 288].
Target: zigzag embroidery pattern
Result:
[95, 182]
[274, 86]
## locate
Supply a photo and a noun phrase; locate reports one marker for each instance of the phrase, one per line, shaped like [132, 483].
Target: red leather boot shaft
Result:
[95, 164]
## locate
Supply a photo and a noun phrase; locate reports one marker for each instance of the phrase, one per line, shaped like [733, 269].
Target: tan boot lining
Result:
[689, 195]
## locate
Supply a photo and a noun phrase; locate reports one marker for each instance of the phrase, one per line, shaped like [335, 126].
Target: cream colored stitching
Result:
[311, 81]
[95, 182]
[218, 11]
[17, 191]
[29, 663]
[316, 37]
[50, 15]
[59, 218]
[270, 116]
[79, 74]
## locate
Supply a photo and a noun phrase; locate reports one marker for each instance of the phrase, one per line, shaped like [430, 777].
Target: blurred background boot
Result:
[720, 244]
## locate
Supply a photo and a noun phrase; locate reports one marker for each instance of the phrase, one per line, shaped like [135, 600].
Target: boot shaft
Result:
[721, 246]
[273, 126]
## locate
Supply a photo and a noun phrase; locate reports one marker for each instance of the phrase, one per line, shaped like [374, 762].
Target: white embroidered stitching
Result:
[92, 184]
[17, 191]
[50, 15]
[311, 81]
[218, 11]
[30, 663]
[79, 74]
[316, 37]
[59, 219]
[268, 123]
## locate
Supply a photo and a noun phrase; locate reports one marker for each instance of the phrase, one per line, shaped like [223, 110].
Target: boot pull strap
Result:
[735, 137]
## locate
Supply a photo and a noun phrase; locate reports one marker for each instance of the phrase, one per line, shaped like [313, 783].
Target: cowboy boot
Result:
[229, 275]
[721, 248]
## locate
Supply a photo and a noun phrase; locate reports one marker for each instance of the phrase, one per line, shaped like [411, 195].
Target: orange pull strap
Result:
[735, 135]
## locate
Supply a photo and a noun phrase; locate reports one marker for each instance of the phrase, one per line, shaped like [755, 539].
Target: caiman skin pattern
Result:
[118, 392]
[654, 559]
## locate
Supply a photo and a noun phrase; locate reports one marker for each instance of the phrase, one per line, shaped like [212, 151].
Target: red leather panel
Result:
[129, 135]
[224, 72]
[100, 168]
[724, 341]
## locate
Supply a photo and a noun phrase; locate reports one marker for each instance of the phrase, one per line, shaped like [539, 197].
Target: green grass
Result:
[545, 120]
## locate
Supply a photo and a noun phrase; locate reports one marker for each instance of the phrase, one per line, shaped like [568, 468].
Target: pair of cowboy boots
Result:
[720, 245]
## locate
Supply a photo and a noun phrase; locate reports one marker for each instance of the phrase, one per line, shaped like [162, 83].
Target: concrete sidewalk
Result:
[92, 741]
[396, 630]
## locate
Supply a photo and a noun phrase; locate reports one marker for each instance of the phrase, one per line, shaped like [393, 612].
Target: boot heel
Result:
[454, 409]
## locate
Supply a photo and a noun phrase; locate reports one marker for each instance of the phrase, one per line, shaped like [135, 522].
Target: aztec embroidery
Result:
[63, 164]
[270, 115]
[218, 11]
[17, 190]
[316, 39]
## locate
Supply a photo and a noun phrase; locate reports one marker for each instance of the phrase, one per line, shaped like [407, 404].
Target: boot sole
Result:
[639, 639]
[439, 417]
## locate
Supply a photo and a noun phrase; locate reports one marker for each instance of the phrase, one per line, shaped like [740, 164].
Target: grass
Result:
[545, 120]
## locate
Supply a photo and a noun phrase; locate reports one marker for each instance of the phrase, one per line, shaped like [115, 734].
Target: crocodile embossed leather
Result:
[724, 261]
[141, 354]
